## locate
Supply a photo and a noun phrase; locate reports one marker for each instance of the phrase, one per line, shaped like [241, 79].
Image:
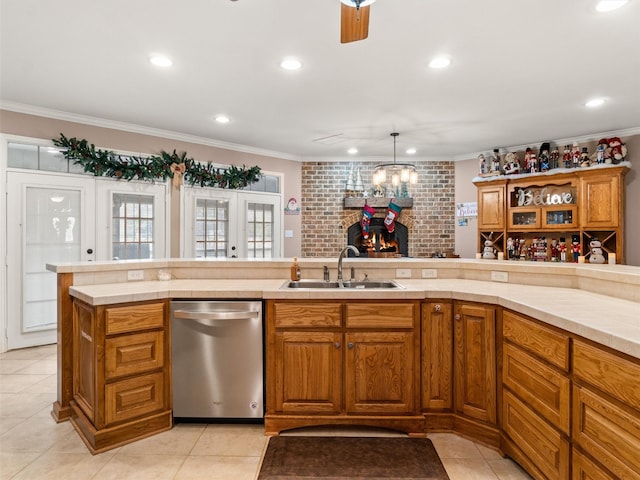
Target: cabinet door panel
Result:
[584, 469]
[379, 373]
[126, 355]
[437, 355]
[132, 318]
[545, 446]
[491, 207]
[307, 314]
[308, 372]
[542, 387]
[475, 362]
[84, 358]
[600, 201]
[134, 397]
[607, 433]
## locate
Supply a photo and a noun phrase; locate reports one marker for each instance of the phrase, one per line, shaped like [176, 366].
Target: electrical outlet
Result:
[500, 276]
[135, 274]
[429, 273]
[403, 273]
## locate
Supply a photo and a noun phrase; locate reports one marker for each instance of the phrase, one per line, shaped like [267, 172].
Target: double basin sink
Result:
[345, 284]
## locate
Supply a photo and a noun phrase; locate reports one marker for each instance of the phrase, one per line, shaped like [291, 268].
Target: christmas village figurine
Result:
[511, 164]
[566, 156]
[482, 164]
[489, 252]
[554, 157]
[575, 155]
[575, 248]
[599, 155]
[584, 158]
[617, 150]
[543, 159]
[596, 251]
[562, 248]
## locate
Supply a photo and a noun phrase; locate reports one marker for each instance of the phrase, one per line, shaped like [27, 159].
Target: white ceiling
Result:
[520, 75]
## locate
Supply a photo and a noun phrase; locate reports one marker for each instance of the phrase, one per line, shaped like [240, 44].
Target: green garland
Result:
[129, 167]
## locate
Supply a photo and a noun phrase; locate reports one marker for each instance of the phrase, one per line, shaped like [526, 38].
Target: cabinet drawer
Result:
[543, 388]
[584, 469]
[543, 445]
[380, 315]
[614, 375]
[308, 314]
[134, 397]
[126, 355]
[552, 346]
[133, 318]
[607, 432]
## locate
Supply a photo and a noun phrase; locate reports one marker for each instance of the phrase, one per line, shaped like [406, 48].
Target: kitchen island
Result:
[489, 349]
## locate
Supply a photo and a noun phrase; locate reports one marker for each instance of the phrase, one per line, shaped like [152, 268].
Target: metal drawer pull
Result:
[228, 315]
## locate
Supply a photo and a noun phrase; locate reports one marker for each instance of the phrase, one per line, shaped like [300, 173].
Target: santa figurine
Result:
[617, 150]
[601, 152]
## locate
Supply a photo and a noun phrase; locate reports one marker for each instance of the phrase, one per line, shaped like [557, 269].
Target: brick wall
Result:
[431, 220]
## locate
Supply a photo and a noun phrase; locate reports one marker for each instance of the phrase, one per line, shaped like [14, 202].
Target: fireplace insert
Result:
[380, 243]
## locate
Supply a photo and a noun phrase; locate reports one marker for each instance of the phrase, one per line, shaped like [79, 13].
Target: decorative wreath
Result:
[105, 163]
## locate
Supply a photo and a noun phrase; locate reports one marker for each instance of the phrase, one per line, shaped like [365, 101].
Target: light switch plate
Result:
[403, 273]
[429, 273]
[499, 276]
[135, 274]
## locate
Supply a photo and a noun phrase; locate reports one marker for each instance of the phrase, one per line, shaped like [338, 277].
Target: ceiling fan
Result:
[354, 20]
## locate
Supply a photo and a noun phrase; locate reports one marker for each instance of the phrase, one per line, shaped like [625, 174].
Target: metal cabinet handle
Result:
[437, 308]
[458, 317]
[350, 345]
[337, 344]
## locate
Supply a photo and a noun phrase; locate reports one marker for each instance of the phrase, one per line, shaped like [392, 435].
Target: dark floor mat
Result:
[341, 458]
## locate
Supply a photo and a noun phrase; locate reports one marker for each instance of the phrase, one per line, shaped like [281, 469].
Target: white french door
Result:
[50, 219]
[131, 219]
[220, 223]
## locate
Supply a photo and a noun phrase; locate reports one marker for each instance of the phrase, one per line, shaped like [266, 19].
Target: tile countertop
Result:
[607, 320]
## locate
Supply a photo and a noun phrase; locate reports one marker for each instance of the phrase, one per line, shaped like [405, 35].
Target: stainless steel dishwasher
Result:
[217, 355]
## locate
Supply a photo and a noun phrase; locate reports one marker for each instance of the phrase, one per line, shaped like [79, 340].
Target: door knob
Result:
[89, 251]
[350, 344]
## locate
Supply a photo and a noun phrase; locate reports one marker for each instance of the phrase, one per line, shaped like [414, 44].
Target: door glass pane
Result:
[22, 156]
[52, 235]
[211, 228]
[259, 230]
[132, 226]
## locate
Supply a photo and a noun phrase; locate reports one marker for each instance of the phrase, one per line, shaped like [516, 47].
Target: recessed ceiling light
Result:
[161, 61]
[352, 151]
[609, 5]
[411, 151]
[222, 119]
[290, 63]
[595, 102]
[440, 62]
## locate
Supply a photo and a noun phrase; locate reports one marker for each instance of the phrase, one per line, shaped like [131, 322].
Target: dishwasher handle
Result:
[221, 315]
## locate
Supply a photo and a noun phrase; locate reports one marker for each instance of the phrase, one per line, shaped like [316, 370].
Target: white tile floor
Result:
[33, 446]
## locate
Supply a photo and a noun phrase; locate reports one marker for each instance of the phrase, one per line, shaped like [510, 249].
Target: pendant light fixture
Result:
[398, 173]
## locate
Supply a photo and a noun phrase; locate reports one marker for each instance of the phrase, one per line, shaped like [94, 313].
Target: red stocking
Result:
[392, 214]
[367, 213]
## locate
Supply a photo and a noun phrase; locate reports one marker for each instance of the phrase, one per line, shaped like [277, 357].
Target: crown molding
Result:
[139, 129]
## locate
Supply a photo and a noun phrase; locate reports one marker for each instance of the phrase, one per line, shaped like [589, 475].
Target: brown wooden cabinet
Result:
[437, 356]
[342, 362]
[606, 410]
[121, 365]
[474, 369]
[536, 396]
[587, 203]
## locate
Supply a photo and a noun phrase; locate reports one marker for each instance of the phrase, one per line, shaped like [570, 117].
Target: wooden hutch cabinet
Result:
[582, 204]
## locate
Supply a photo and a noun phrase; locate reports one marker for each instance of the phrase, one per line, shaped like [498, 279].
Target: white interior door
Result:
[50, 219]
